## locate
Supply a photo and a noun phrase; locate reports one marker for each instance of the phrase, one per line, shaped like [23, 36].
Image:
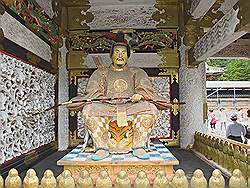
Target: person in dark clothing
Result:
[236, 131]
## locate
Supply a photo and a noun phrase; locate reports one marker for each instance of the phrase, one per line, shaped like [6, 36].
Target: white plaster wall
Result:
[192, 82]
[47, 6]
[63, 96]
[19, 34]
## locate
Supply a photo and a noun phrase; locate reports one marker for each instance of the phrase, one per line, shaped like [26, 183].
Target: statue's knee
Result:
[148, 120]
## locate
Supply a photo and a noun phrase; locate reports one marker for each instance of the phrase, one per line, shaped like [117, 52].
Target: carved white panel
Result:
[122, 16]
[227, 5]
[162, 129]
[200, 7]
[161, 87]
[47, 6]
[24, 90]
[192, 83]
[19, 34]
[218, 37]
[63, 96]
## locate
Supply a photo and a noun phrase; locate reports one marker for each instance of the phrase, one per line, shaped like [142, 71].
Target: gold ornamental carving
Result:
[73, 140]
[9, 2]
[120, 85]
[79, 17]
[175, 107]
[166, 14]
[76, 60]
[169, 57]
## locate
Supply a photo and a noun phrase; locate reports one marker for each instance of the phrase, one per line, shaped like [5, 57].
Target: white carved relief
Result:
[200, 7]
[219, 36]
[24, 90]
[125, 16]
[47, 6]
[227, 5]
[19, 34]
[193, 93]
[63, 96]
[162, 127]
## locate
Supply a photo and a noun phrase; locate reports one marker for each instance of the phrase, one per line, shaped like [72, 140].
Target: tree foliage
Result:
[235, 69]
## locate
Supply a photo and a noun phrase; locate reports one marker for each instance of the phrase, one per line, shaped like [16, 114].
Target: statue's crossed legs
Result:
[109, 138]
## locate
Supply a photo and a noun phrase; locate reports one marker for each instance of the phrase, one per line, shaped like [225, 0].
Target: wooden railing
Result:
[225, 152]
[65, 180]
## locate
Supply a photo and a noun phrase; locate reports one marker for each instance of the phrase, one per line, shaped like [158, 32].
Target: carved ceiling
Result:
[112, 14]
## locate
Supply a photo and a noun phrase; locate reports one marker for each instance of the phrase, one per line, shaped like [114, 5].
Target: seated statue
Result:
[123, 124]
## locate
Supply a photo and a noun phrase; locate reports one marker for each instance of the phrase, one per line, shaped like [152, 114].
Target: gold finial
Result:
[161, 180]
[122, 180]
[48, 180]
[103, 180]
[175, 106]
[13, 180]
[1, 181]
[237, 180]
[66, 181]
[179, 179]
[217, 180]
[141, 180]
[198, 180]
[84, 181]
[31, 180]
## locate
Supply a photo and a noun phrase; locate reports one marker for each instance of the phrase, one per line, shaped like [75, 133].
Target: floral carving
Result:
[219, 36]
[24, 91]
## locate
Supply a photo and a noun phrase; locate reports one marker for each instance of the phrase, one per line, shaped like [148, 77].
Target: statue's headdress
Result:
[120, 42]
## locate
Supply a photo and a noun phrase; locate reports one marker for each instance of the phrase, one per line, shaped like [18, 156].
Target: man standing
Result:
[123, 124]
[235, 131]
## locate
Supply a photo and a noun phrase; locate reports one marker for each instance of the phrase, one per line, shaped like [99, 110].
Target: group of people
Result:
[234, 123]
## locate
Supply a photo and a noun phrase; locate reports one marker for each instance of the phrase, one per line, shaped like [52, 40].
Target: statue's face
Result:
[119, 56]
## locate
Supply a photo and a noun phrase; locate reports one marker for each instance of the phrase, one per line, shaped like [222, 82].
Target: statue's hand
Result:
[136, 97]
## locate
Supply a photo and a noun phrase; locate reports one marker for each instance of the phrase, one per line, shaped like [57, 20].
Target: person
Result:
[212, 119]
[124, 124]
[248, 124]
[222, 119]
[236, 131]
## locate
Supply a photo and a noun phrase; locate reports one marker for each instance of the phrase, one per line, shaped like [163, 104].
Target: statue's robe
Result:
[119, 125]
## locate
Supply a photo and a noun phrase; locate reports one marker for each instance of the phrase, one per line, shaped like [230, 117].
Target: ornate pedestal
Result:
[160, 159]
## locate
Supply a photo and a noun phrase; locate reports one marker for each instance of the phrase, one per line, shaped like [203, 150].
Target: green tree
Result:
[235, 69]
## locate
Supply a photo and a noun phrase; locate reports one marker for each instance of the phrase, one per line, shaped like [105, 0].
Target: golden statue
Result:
[84, 181]
[179, 179]
[237, 180]
[141, 180]
[217, 180]
[66, 181]
[103, 180]
[48, 180]
[161, 180]
[198, 180]
[124, 123]
[122, 180]
[31, 180]
[13, 180]
[1, 181]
